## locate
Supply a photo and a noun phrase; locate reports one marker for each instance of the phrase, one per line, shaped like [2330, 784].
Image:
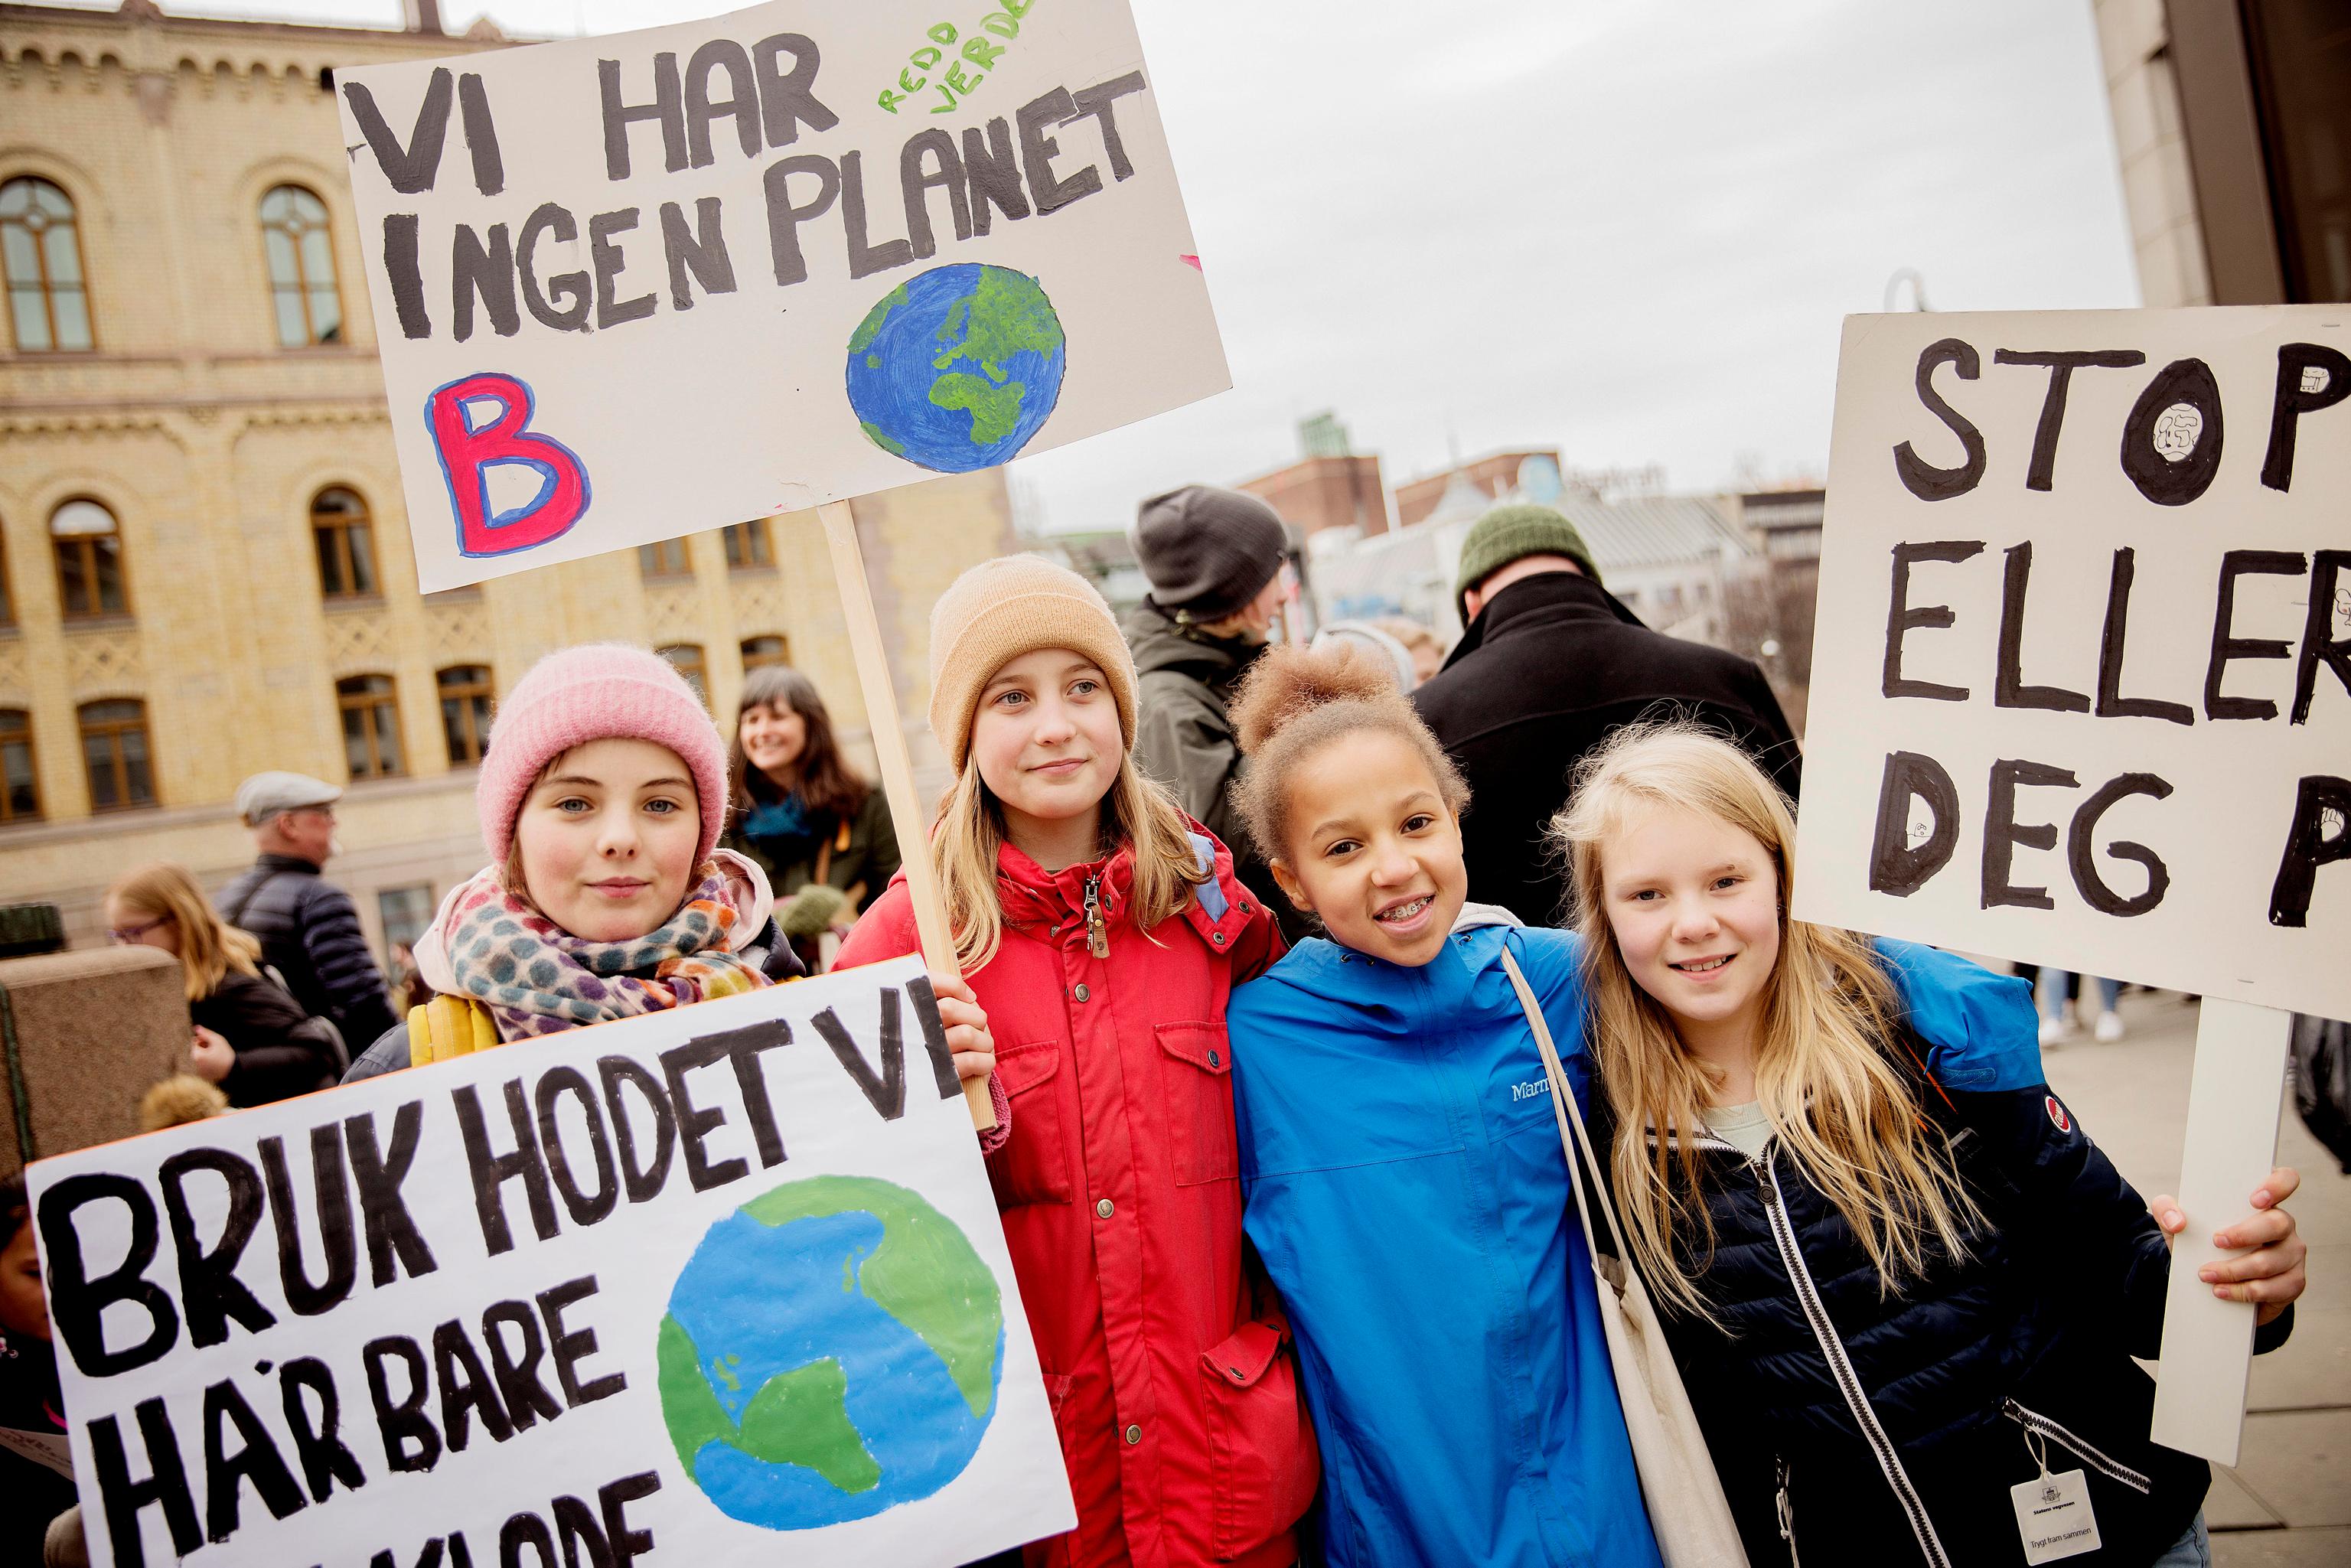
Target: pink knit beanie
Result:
[596, 692]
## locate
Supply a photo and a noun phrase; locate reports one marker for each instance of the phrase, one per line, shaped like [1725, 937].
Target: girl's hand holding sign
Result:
[2271, 1273]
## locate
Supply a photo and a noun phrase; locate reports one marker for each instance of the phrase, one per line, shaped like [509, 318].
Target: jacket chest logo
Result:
[1534, 1087]
[2057, 1115]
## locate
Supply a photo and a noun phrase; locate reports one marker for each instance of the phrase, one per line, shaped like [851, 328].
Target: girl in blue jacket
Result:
[1903, 1286]
[1402, 1165]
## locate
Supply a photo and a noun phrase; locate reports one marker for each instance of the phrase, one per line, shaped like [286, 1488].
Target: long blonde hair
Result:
[1840, 1112]
[209, 947]
[1135, 810]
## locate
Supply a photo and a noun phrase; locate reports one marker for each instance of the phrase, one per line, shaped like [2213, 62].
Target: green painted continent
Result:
[924, 1272]
[871, 328]
[801, 1417]
[995, 409]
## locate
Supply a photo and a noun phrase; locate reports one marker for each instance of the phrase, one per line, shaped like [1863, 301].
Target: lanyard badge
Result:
[2052, 1513]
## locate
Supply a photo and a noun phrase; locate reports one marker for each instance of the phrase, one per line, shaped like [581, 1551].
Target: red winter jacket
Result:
[1175, 1398]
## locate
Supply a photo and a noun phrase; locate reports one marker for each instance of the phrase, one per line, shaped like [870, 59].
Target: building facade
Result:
[205, 560]
[2232, 123]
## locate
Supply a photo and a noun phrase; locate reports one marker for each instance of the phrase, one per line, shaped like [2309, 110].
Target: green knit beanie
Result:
[1513, 533]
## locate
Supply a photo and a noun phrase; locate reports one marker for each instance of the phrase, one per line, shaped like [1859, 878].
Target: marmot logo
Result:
[2065, 1123]
[1528, 1090]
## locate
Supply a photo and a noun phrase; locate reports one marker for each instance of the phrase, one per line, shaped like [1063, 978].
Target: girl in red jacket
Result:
[1103, 932]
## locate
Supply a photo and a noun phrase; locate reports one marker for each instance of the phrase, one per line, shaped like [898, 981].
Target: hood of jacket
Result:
[1165, 645]
[746, 886]
[1462, 987]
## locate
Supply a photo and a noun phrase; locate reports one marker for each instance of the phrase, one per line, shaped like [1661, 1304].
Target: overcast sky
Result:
[1626, 230]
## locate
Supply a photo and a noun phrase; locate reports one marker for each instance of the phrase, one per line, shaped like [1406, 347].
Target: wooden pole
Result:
[2233, 1098]
[906, 814]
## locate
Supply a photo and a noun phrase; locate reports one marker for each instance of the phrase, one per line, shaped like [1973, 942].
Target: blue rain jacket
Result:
[1407, 1192]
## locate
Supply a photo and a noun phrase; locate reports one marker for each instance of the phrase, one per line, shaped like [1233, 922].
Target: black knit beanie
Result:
[1208, 551]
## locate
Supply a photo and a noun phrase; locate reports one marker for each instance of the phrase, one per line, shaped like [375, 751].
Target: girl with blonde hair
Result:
[251, 1038]
[1903, 1285]
[1103, 930]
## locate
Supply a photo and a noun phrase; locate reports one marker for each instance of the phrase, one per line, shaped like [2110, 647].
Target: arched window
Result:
[48, 302]
[370, 711]
[464, 712]
[685, 658]
[747, 545]
[665, 558]
[90, 560]
[300, 248]
[345, 535]
[772, 650]
[20, 788]
[114, 751]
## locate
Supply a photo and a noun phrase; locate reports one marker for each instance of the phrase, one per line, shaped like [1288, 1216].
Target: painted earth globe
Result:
[832, 1349]
[956, 368]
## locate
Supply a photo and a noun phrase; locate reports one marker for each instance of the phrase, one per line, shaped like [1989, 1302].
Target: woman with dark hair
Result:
[822, 835]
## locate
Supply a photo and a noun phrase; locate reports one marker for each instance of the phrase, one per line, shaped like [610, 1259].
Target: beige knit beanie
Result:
[1002, 608]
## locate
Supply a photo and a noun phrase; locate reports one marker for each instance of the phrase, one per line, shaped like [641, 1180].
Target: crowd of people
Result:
[1291, 970]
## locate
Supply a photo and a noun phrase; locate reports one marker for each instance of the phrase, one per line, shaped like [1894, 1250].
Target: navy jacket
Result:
[2034, 1327]
[309, 933]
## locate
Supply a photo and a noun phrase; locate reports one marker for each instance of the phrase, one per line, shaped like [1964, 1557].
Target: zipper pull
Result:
[1097, 939]
[1786, 1511]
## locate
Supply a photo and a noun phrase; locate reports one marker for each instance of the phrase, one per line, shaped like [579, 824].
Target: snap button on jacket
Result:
[1174, 1388]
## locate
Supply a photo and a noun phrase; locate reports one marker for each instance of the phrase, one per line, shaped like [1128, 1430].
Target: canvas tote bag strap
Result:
[1572, 1135]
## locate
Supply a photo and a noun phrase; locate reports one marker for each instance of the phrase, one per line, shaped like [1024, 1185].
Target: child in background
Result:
[601, 797]
[1899, 1279]
[1103, 931]
[31, 1494]
[1408, 1188]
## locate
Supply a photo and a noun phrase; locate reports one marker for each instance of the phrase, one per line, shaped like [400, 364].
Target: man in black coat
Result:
[309, 929]
[1552, 666]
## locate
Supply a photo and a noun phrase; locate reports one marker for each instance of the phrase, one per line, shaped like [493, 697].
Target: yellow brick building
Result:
[204, 562]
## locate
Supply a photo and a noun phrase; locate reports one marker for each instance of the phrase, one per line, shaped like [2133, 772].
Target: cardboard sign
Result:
[721, 1284]
[2082, 683]
[635, 287]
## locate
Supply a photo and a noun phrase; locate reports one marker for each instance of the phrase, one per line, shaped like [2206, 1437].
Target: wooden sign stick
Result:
[2233, 1096]
[906, 814]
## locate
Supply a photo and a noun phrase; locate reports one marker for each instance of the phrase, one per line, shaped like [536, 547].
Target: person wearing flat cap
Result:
[1214, 559]
[1553, 663]
[309, 929]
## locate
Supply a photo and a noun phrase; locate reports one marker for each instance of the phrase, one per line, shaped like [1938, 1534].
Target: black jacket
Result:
[310, 934]
[1549, 669]
[2061, 1287]
[1185, 681]
[279, 1051]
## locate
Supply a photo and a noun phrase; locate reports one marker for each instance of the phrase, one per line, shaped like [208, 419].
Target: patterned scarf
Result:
[537, 978]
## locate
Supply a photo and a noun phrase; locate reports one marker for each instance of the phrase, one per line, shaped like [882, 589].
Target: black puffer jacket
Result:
[279, 1051]
[1550, 668]
[2036, 1326]
[310, 934]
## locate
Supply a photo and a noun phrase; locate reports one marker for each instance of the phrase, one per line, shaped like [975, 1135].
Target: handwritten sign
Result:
[637, 287]
[2081, 688]
[721, 1284]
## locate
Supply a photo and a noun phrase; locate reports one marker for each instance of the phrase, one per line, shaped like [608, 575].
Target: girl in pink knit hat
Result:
[602, 798]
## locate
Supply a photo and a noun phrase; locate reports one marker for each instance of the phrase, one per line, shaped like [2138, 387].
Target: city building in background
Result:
[2232, 123]
[204, 558]
[1330, 486]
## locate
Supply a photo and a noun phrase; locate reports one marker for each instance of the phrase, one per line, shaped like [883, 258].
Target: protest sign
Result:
[636, 286]
[2082, 680]
[2081, 697]
[718, 1284]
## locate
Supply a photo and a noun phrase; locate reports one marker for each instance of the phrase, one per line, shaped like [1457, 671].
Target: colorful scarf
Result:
[537, 978]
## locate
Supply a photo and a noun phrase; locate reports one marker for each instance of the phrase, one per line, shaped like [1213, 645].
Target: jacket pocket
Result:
[1034, 1165]
[1261, 1453]
[1197, 1072]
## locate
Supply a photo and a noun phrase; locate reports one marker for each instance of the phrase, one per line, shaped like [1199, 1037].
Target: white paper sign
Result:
[2082, 681]
[635, 287]
[723, 1284]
